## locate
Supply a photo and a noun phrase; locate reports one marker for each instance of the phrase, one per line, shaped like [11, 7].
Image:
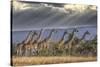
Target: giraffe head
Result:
[53, 30]
[35, 33]
[87, 32]
[66, 32]
[75, 30]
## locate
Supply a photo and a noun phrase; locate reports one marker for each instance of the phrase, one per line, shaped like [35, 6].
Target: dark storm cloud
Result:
[42, 17]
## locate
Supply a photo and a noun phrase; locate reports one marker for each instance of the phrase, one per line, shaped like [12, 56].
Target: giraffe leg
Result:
[26, 51]
[17, 52]
[69, 50]
[20, 52]
[23, 52]
[29, 52]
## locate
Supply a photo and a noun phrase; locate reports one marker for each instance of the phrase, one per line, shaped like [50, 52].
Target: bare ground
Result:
[18, 61]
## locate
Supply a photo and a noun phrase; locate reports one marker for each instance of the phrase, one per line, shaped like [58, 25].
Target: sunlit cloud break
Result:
[28, 16]
[17, 5]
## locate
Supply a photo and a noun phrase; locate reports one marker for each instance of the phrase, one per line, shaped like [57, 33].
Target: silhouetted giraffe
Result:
[48, 39]
[44, 43]
[28, 46]
[69, 43]
[20, 46]
[34, 43]
[78, 41]
[61, 41]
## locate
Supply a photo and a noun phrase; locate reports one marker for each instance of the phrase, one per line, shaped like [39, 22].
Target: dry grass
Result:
[49, 60]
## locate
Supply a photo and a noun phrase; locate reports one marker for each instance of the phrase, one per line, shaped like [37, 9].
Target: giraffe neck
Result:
[83, 36]
[49, 36]
[31, 39]
[70, 37]
[62, 37]
[28, 37]
[38, 38]
[39, 35]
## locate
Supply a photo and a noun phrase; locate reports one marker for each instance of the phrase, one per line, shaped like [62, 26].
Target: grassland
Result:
[49, 60]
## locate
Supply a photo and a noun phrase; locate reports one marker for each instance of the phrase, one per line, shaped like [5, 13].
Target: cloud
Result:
[52, 15]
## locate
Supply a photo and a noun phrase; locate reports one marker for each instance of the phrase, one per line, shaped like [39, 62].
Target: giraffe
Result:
[37, 39]
[61, 41]
[34, 43]
[38, 45]
[19, 47]
[79, 41]
[48, 40]
[45, 42]
[27, 46]
[69, 43]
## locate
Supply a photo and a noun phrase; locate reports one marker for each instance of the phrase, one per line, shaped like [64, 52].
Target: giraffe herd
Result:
[31, 46]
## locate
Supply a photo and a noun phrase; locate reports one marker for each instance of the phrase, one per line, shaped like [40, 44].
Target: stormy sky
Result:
[29, 16]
